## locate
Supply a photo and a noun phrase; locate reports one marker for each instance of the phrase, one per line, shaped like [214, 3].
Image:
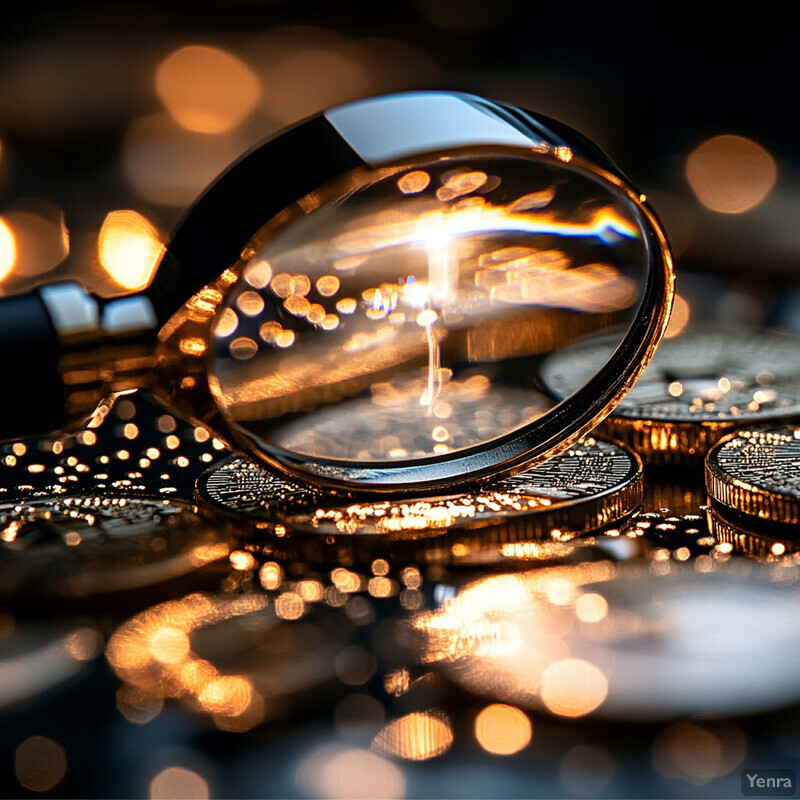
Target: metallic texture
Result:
[700, 386]
[755, 472]
[591, 485]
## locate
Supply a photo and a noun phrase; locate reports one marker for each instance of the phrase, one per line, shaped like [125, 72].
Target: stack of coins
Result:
[697, 417]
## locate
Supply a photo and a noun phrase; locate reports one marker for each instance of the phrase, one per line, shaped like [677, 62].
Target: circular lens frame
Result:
[384, 133]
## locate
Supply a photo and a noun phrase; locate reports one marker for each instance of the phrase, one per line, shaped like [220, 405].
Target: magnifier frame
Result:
[332, 162]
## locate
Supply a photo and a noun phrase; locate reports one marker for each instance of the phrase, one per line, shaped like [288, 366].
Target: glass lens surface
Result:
[403, 313]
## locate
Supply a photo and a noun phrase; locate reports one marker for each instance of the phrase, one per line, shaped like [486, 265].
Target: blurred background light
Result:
[308, 69]
[502, 730]
[205, 89]
[349, 774]
[731, 174]
[586, 771]
[679, 318]
[178, 782]
[129, 249]
[573, 687]
[415, 737]
[8, 249]
[40, 763]
[169, 165]
[40, 234]
[699, 751]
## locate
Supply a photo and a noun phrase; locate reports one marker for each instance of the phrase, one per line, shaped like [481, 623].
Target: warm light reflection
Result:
[502, 730]
[129, 249]
[415, 737]
[573, 687]
[40, 236]
[481, 633]
[731, 174]
[153, 654]
[40, 763]
[8, 249]
[479, 218]
[698, 752]
[679, 317]
[205, 89]
[349, 774]
[174, 782]
[84, 644]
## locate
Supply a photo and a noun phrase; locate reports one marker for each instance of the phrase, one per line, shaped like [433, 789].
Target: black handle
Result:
[31, 390]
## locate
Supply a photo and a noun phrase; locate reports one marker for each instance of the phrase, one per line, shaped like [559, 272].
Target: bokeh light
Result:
[731, 174]
[40, 763]
[415, 737]
[359, 716]
[169, 165]
[586, 771]
[697, 752]
[573, 687]
[40, 236]
[349, 774]
[8, 249]
[205, 89]
[129, 249]
[84, 644]
[502, 730]
[178, 782]
[307, 69]
[355, 665]
[679, 318]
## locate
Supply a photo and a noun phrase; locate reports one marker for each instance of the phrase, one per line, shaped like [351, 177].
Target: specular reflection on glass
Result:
[402, 316]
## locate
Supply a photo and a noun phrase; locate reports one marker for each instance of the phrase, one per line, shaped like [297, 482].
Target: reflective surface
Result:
[593, 484]
[399, 316]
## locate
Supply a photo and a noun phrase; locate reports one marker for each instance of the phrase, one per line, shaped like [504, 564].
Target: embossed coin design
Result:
[757, 472]
[592, 484]
[699, 386]
[72, 546]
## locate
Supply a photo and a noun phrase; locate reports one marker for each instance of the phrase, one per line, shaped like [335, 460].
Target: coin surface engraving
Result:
[592, 484]
[757, 472]
[699, 386]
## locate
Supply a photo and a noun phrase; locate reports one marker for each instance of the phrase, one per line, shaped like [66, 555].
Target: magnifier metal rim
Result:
[330, 155]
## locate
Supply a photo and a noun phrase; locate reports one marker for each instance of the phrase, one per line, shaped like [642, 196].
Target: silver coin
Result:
[756, 472]
[706, 374]
[591, 484]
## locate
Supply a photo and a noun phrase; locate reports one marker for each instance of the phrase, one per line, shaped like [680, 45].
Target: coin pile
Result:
[591, 542]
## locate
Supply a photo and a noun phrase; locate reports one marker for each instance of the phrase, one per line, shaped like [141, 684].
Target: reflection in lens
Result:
[402, 314]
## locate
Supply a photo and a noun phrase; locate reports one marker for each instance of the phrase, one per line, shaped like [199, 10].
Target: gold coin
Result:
[699, 386]
[592, 485]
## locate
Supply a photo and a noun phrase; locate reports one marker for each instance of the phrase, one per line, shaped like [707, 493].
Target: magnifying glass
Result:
[363, 301]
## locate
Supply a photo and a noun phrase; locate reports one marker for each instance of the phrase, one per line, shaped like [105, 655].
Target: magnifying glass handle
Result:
[32, 395]
[63, 351]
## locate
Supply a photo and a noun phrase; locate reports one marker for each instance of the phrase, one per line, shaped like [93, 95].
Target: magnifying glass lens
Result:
[399, 314]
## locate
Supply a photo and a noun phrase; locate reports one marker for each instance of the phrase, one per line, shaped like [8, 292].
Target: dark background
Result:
[648, 82]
